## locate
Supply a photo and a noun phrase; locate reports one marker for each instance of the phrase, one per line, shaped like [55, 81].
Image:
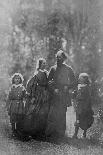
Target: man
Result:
[61, 79]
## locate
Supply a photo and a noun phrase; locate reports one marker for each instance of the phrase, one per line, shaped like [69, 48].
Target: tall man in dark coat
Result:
[61, 80]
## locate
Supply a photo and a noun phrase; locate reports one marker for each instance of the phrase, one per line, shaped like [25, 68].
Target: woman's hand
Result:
[24, 102]
[32, 100]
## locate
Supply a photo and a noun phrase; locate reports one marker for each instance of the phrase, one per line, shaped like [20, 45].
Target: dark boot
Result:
[14, 131]
[84, 133]
[76, 132]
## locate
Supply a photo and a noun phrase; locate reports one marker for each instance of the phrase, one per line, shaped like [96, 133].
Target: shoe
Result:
[25, 138]
[84, 135]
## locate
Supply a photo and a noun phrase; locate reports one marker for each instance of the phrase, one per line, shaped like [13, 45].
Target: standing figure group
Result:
[39, 110]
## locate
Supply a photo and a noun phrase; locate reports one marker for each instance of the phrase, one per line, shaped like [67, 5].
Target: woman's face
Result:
[17, 80]
[43, 65]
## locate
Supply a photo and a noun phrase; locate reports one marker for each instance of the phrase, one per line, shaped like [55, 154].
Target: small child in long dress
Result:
[84, 112]
[16, 101]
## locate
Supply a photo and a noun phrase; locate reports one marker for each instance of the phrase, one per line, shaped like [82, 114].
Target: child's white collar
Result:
[81, 85]
[19, 85]
[42, 70]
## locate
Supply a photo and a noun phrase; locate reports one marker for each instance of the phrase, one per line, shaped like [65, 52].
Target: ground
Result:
[66, 146]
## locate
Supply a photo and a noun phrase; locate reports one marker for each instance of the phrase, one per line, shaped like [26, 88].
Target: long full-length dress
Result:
[59, 77]
[15, 103]
[36, 113]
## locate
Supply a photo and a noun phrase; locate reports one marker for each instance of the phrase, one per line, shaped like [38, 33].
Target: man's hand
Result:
[65, 88]
[56, 91]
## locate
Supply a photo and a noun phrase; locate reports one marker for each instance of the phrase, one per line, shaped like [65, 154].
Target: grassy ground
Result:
[66, 146]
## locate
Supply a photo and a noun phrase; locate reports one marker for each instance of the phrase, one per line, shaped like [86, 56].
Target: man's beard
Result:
[59, 62]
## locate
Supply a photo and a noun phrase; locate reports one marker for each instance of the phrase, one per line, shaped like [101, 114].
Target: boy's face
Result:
[17, 80]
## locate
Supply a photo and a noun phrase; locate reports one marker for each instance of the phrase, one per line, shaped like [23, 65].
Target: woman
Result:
[37, 108]
[61, 80]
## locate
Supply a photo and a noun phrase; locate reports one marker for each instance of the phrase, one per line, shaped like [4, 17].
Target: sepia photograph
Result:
[51, 77]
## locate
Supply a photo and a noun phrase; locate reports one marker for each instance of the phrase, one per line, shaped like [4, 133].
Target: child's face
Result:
[43, 65]
[81, 80]
[17, 80]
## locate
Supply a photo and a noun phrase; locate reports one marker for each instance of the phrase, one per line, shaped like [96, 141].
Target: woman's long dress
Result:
[59, 77]
[35, 121]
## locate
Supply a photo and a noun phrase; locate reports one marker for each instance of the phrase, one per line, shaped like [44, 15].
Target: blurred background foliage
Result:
[39, 28]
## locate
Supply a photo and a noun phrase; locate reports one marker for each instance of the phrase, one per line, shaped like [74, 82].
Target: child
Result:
[84, 113]
[16, 101]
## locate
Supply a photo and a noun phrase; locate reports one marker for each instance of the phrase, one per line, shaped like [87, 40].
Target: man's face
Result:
[59, 60]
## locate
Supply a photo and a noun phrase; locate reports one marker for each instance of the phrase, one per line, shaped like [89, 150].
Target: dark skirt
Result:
[16, 111]
[35, 119]
[86, 119]
[16, 118]
[16, 107]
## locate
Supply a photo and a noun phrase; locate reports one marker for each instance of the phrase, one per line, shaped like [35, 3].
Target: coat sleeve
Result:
[83, 100]
[51, 74]
[73, 81]
[24, 92]
[31, 85]
[51, 83]
[9, 98]
[10, 94]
